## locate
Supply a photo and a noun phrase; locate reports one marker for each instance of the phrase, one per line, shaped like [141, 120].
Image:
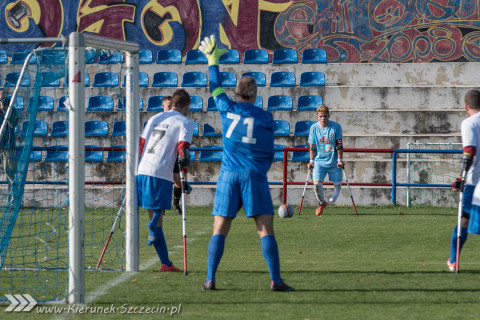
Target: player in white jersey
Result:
[165, 135]
[470, 129]
[326, 152]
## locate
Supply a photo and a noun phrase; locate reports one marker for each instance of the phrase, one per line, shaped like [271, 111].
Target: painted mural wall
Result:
[349, 30]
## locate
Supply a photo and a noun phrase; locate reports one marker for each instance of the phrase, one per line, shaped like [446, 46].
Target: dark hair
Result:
[166, 98]
[246, 88]
[180, 99]
[472, 99]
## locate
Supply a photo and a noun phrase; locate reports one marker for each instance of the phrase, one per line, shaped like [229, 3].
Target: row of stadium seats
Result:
[194, 56]
[189, 79]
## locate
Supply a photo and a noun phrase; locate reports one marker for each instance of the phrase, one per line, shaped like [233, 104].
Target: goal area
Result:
[67, 183]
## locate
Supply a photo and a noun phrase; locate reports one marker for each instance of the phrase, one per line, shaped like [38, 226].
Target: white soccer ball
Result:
[285, 211]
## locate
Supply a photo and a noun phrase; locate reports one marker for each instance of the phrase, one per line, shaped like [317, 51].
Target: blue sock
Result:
[160, 246]
[270, 253]
[215, 252]
[453, 246]
[152, 225]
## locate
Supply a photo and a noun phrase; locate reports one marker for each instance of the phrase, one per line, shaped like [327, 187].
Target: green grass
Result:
[386, 263]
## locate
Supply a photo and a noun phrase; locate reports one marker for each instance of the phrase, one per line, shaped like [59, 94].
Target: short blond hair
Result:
[323, 108]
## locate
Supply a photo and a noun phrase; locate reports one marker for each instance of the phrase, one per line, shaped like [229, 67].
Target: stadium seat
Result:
[259, 102]
[314, 55]
[209, 131]
[53, 57]
[195, 56]
[208, 154]
[87, 80]
[280, 103]
[211, 106]
[312, 79]
[282, 79]
[116, 156]
[49, 79]
[155, 104]
[285, 55]
[100, 103]
[93, 155]
[165, 79]
[142, 80]
[119, 129]
[59, 129]
[35, 155]
[309, 103]
[196, 103]
[301, 155]
[145, 56]
[45, 103]
[258, 76]
[228, 79]
[255, 56]
[194, 79]
[19, 104]
[105, 79]
[281, 128]
[96, 128]
[169, 56]
[121, 104]
[302, 128]
[40, 128]
[278, 155]
[230, 57]
[61, 104]
[111, 58]
[3, 57]
[20, 56]
[195, 129]
[56, 154]
[12, 78]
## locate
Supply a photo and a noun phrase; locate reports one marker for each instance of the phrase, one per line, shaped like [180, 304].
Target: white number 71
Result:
[248, 122]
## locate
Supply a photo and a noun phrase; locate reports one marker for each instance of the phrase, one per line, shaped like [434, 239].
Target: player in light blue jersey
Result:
[326, 153]
[247, 133]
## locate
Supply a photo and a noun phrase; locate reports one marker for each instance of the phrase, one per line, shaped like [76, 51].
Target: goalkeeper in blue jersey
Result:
[247, 156]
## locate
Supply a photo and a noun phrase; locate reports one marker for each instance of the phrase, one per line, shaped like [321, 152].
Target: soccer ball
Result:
[285, 211]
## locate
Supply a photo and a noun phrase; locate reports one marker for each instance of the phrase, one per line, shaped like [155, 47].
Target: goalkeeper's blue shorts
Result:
[154, 193]
[467, 198]
[236, 188]
[474, 221]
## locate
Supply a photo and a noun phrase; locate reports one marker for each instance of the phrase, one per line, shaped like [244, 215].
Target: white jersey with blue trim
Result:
[326, 141]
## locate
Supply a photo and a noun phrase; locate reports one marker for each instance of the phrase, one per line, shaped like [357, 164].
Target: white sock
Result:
[337, 186]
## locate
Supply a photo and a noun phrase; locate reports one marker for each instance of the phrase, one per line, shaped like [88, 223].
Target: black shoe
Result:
[177, 209]
[280, 287]
[209, 286]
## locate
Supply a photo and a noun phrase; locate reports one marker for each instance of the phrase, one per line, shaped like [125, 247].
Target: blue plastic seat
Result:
[196, 103]
[209, 131]
[314, 55]
[145, 56]
[3, 57]
[105, 79]
[142, 80]
[207, 154]
[119, 129]
[285, 55]
[258, 76]
[12, 78]
[19, 57]
[280, 103]
[155, 104]
[35, 155]
[255, 56]
[302, 128]
[61, 104]
[169, 56]
[86, 81]
[282, 79]
[195, 56]
[278, 155]
[230, 57]
[301, 155]
[53, 57]
[19, 104]
[45, 103]
[49, 79]
[96, 128]
[111, 58]
[59, 128]
[165, 79]
[211, 106]
[121, 103]
[228, 79]
[93, 155]
[100, 103]
[40, 128]
[309, 102]
[55, 154]
[259, 102]
[281, 128]
[117, 155]
[195, 129]
[312, 79]
[194, 79]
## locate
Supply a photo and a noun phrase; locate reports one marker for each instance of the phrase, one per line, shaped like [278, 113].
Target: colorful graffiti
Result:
[349, 30]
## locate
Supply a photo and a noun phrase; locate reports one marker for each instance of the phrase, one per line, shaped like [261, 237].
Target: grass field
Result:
[386, 263]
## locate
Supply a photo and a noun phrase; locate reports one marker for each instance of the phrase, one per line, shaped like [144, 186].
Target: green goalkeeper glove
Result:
[208, 47]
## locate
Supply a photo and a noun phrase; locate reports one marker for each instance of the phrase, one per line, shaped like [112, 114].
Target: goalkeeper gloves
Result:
[208, 47]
